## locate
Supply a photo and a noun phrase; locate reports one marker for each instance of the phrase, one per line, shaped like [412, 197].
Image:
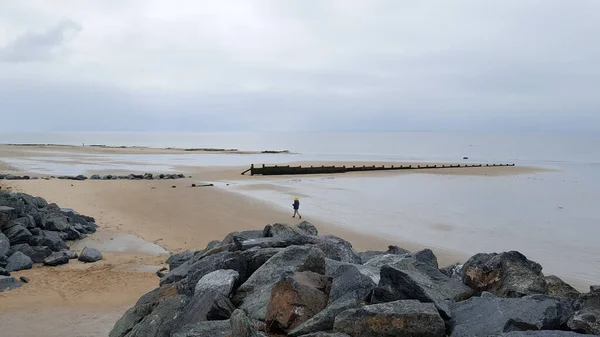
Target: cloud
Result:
[44, 46]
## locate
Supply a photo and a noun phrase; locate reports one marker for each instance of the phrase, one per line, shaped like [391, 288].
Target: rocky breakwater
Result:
[32, 231]
[81, 177]
[289, 281]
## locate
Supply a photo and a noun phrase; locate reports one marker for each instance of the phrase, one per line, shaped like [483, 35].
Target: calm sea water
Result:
[551, 216]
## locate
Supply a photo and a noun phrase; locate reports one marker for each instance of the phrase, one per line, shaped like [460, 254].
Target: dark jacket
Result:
[296, 204]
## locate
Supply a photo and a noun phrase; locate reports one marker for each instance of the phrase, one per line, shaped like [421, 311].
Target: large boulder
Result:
[559, 288]
[308, 228]
[26, 221]
[6, 214]
[18, 234]
[291, 234]
[323, 321]
[161, 321]
[395, 319]
[57, 222]
[74, 234]
[352, 282]
[56, 259]
[8, 283]
[396, 284]
[177, 260]
[221, 281]
[90, 255]
[50, 239]
[426, 256]
[587, 317]
[3, 272]
[368, 255]
[508, 274]
[36, 253]
[490, 315]
[339, 251]
[241, 236]
[295, 298]
[4, 245]
[253, 296]
[18, 261]
[244, 326]
[207, 328]
[207, 306]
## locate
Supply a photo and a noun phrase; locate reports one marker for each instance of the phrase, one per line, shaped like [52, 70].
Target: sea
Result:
[550, 216]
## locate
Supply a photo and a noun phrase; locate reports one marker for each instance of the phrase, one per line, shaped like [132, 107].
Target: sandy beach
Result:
[170, 214]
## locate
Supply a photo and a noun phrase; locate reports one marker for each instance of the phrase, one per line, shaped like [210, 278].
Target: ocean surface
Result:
[550, 216]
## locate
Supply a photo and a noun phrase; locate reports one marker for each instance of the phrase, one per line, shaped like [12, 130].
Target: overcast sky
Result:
[299, 65]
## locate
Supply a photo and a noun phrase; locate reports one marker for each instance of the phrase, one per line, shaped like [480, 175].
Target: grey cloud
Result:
[39, 46]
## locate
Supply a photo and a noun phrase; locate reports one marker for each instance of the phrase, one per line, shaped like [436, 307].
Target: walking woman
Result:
[296, 205]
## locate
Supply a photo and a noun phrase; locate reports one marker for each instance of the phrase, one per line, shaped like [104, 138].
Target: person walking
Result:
[296, 205]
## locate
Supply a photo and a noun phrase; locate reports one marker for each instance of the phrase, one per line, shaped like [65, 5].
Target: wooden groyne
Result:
[294, 170]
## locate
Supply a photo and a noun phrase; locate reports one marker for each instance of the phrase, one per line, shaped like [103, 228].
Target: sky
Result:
[280, 65]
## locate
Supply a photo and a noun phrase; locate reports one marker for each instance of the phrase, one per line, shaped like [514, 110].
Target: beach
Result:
[176, 217]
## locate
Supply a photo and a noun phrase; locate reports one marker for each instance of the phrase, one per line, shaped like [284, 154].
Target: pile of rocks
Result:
[289, 281]
[33, 231]
[132, 176]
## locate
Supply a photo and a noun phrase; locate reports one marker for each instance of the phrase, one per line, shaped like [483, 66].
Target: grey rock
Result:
[206, 329]
[241, 236]
[490, 315]
[261, 243]
[426, 256]
[95, 177]
[395, 319]
[71, 255]
[148, 176]
[559, 288]
[291, 234]
[17, 234]
[543, 333]
[508, 274]
[26, 221]
[162, 320]
[339, 251]
[253, 296]
[57, 222]
[7, 214]
[323, 321]
[386, 259]
[398, 284]
[35, 231]
[308, 228]
[74, 234]
[4, 244]
[208, 306]
[36, 253]
[130, 319]
[221, 281]
[452, 271]
[353, 283]
[56, 259]
[80, 177]
[90, 255]
[24, 279]
[243, 326]
[326, 334]
[3, 272]
[587, 317]
[50, 239]
[8, 283]
[177, 260]
[18, 261]
[394, 250]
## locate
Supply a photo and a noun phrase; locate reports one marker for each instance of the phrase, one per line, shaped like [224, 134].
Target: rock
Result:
[394, 250]
[131, 176]
[295, 298]
[24, 279]
[587, 317]
[26, 221]
[8, 283]
[148, 176]
[4, 244]
[206, 329]
[559, 288]
[130, 319]
[291, 234]
[162, 320]
[56, 259]
[261, 243]
[544, 333]
[3, 272]
[7, 214]
[338, 251]
[181, 176]
[207, 306]
[398, 284]
[17, 234]
[49, 239]
[177, 260]
[253, 296]
[426, 256]
[326, 334]
[323, 321]
[36, 253]
[243, 326]
[80, 177]
[241, 236]
[74, 234]
[308, 228]
[95, 177]
[18, 261]
[57, 223]
[35, 231]
[353, 283]
[490, 315]
[90, 255]
[452, 271]
[12, 177]
[386, 259]
[395, 319]
[506, 274]
[221, 281]
[71, 255]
